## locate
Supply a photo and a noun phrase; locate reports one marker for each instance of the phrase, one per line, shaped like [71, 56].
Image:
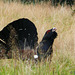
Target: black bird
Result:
[23, 32]
[45, 49]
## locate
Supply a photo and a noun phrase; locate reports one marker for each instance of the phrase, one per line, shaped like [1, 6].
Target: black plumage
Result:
[24, 30]
[45, 49]
[23, 33]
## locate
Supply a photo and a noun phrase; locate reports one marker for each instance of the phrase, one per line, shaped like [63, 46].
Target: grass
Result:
[44, 17]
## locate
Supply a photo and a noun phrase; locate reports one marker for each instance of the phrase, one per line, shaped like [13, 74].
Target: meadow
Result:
[44, 16]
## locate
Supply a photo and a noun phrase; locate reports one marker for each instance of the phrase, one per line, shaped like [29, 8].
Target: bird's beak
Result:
[54, 29]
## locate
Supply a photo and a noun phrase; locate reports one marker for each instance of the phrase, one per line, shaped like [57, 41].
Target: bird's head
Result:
[50, 34]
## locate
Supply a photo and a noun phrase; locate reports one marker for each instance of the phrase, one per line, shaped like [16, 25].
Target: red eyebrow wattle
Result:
[48, 31]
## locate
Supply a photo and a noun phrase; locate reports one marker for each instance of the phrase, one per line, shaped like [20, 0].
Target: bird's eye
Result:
[48, 31]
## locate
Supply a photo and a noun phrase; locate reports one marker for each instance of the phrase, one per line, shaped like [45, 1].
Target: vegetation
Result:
[44, 17]
[53, 2]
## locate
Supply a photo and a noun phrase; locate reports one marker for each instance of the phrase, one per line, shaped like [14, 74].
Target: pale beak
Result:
[54, 29]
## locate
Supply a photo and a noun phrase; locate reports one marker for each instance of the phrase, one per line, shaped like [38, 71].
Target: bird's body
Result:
[44, 49]
[23, 33]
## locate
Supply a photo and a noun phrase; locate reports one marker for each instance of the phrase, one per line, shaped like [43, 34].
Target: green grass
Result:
[57, 67]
